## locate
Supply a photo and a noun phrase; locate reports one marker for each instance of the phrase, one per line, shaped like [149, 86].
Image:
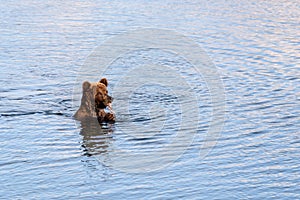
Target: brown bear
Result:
[94, 100]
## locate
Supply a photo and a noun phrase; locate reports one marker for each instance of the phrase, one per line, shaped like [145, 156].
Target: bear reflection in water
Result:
[96, 138]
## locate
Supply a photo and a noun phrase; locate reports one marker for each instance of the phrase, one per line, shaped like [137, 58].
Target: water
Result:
[45, 154]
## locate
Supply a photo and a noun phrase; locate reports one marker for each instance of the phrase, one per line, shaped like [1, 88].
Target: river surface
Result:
[46, 154]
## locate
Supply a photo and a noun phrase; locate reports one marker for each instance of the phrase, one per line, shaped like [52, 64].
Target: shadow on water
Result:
[96, 137]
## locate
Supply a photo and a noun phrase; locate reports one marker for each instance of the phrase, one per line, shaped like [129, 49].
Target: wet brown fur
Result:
[94, 100]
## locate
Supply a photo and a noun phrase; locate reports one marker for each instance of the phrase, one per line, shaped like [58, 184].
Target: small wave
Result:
[19, 114]
[12, 162]
[50, 112]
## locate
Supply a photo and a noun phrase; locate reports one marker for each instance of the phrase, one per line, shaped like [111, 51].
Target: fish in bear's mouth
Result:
[104, 104]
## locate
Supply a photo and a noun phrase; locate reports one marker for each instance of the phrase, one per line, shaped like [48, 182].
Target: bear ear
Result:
[104, 81]
[86, 85]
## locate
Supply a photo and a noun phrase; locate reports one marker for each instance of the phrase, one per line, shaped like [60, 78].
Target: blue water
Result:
[46, 154]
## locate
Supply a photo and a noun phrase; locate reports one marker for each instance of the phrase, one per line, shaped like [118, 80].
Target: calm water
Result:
[45, 154]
